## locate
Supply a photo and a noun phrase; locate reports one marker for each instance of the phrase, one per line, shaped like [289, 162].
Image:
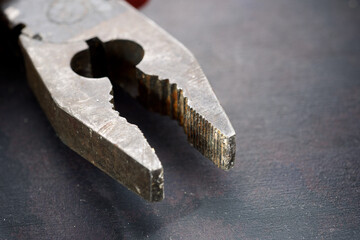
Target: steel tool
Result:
[75, 52]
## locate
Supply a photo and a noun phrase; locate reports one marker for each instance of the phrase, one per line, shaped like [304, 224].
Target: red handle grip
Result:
[137, 3]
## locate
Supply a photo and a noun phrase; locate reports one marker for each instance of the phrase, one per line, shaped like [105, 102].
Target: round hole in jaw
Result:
[104, 59]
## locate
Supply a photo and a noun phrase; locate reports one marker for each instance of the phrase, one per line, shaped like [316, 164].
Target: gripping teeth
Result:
[112, 100]
[166, 98]
[117, 59]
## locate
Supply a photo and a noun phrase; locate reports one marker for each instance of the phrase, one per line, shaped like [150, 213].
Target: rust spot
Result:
[174, 98]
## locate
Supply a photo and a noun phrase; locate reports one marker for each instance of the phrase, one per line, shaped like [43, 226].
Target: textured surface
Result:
[78, 107]
[193, 102]
[189, 94]
[82, 115]
[68, 17]
[287, 74]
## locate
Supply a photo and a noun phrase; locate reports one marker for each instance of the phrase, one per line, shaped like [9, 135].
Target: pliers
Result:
[77, 51]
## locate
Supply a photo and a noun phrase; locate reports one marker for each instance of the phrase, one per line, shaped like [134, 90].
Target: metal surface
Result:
[57, 21]
[80, 108]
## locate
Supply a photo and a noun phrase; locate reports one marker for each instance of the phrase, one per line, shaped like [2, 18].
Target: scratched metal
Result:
[79, 107]
[294, 100]
[68, 17]
[171, 73]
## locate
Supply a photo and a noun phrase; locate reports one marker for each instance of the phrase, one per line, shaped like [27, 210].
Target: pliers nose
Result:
[71, 82]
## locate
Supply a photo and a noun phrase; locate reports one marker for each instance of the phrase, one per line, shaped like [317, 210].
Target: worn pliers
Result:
[72, 48]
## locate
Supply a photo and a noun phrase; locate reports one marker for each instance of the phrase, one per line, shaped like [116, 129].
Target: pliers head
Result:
[70, 57]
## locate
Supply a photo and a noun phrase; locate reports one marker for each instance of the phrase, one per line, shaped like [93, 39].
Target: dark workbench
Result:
[288, 75]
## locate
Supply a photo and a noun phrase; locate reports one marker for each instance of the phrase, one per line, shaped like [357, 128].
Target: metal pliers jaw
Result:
[167, 79]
